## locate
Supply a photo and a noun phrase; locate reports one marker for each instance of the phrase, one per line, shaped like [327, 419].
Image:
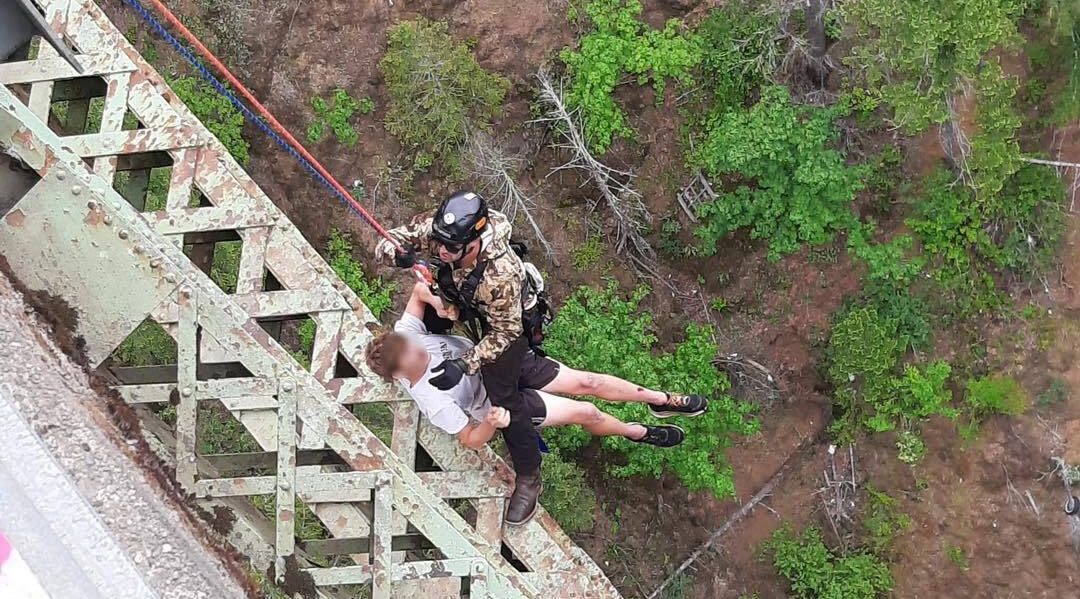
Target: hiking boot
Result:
[680, 405]
[661, 435]
[524, 499]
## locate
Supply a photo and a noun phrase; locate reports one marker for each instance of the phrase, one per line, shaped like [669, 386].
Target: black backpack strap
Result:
[470, 285]
[464, 297]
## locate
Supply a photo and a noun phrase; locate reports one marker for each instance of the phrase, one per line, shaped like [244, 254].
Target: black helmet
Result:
[460, 219]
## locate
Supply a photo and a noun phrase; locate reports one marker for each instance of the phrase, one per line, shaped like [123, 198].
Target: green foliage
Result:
[991, 395]
[225, 267]
[220, 432]
[567, 497]
[863, 355]
[739, 48]
[995, 151]
[1057, 392]
[1031, 217]
[147, 345]
[620, 43]
[916, 54]
[969, 238]
[892, 271]
[307, 524]
[948, 223]
[958, 557]
[794, 189]
[216, 112]
[376, 294]
[336, 115]
[910, 448]
[437, 92]
[883, 521]
[1058, 40]
[588, 254]
[602, 331]
[815, 572]
[678, 587]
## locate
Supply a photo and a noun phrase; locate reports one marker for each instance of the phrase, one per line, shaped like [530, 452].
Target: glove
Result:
[449, 374]
[406, 258]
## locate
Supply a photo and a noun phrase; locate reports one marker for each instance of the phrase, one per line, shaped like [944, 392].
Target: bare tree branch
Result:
[496, 170]
[628, 211]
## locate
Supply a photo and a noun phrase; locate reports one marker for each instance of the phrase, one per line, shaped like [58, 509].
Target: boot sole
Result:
[531, 514]
[666, 414]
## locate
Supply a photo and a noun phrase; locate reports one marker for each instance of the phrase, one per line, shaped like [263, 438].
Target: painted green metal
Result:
[116, 264]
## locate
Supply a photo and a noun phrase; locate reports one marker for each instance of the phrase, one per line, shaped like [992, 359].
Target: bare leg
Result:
[602, 386]
[563, 411]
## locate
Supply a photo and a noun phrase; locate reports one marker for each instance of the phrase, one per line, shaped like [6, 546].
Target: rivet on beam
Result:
[185, 292]
[122, 234]
[170, 278]
[60, 176]
[76, 190]
[138, 248]
[287, 386]
[107, 219]
[92, 205]
[284, 486]
[186, 392]
[478, 567]
[155, 262]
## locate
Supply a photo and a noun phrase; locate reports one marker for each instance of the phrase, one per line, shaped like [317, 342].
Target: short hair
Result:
[383, 354]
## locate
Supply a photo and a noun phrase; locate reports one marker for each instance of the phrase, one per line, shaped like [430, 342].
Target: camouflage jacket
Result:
[499, 293]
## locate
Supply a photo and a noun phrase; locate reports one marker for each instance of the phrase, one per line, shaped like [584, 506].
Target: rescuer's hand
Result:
[406, 258]
[449, 374]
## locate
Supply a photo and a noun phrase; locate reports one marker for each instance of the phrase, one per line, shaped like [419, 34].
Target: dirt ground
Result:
[967, 495]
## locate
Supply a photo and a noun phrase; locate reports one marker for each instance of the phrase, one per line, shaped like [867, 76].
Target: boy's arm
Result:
[422, 296]
[476, 434]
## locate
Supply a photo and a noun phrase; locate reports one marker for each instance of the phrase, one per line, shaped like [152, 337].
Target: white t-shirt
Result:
[449, 410]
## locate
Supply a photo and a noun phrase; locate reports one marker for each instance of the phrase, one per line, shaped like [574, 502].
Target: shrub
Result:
[602, 331]
[915, 56]
[793, 188]
[815, 572]
[910, 448]
[1031, 220]
[991, 395]
[566, 495]
[619, 43]
[437, 92]
[1056, 392]
[883, 521]
[863, 356]
[738, 51]
[376, 294]
[336, 115]
[215, 112]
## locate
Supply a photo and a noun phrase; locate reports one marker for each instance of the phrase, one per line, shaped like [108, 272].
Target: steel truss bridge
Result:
[76, 224]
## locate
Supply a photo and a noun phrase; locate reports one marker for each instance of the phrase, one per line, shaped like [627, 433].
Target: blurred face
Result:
[414, 358]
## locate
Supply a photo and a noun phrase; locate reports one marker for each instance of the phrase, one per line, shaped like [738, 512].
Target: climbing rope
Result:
[253, 110]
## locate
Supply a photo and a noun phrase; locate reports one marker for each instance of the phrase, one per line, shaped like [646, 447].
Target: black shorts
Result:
[536, 373]
[534, 405]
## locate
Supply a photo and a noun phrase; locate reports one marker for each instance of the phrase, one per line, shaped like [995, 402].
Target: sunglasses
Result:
[453, 248]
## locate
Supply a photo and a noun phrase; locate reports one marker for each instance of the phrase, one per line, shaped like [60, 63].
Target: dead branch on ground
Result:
[496, 170]
[627, 208]
[838, 496]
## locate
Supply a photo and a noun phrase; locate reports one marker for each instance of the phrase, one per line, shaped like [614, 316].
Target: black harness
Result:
[463, 297]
